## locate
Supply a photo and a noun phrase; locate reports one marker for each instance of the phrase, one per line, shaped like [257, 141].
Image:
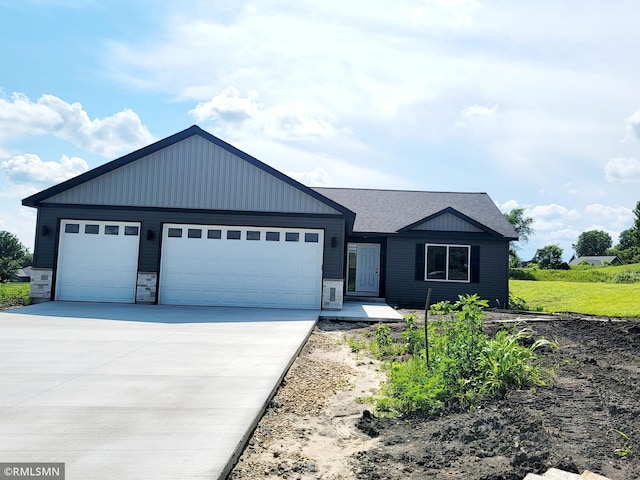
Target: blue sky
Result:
[535, 103]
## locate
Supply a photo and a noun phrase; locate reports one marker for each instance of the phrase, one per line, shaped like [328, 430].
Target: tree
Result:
[549, 257]
[626, 239]
[522, 226]
[593, 242]
[628, 248]
[12, 255]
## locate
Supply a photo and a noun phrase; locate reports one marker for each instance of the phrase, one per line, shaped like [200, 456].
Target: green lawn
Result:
[12, 294]
[609, 299]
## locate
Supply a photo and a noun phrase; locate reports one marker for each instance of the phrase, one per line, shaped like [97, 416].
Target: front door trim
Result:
[363, 269]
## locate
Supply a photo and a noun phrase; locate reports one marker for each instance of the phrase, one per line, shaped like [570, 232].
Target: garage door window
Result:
[233, 234]
[128, 230]
[175, 232]
[311, 237]
[214, 234]
[194, 233]
[72, 228]
[273, 236]
[111, 230]
[91, 229]
[253, 235]
[292, 237]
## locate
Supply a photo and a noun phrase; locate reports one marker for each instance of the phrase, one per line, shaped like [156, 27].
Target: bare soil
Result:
[319, 426]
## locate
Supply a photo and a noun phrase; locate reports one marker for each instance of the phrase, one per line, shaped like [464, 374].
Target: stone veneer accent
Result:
[332, 294]
[41, 283]
[146, 287]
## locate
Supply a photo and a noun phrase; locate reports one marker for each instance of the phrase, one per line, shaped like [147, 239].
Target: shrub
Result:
[464, 364]
[521, 274]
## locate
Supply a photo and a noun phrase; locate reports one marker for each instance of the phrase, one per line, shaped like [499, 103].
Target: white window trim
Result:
[448, 246]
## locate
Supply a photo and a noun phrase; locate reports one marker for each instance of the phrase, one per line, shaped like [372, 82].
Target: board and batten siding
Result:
[447, 223]
[49, 216]
[193, 173]
[403, 289]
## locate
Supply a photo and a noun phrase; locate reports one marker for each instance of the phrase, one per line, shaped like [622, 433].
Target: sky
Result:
[536, 103]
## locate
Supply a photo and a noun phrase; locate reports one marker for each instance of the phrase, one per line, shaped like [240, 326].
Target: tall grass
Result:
[581, 273]
[14, 294]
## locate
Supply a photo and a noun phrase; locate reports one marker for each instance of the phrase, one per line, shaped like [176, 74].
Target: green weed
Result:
[464, 364]
[625, 451]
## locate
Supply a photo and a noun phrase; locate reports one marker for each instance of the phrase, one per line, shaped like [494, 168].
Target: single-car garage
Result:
[241, 266]
[97, 261]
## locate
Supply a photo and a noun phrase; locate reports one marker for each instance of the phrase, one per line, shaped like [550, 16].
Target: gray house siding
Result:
[193, 173]
[151, 219]
[402, 287]
[447, 222]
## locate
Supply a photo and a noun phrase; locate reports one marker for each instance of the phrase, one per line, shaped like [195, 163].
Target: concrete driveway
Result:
[139, 391]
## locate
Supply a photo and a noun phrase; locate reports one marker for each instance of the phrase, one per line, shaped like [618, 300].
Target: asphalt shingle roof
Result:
[388, 211]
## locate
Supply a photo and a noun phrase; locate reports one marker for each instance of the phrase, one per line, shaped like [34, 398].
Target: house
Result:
[597, 261]
[193, 220]
[22, 275]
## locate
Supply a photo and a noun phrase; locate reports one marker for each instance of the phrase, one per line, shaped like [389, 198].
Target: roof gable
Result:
[448, 220]
[396, 211]
[193, 170]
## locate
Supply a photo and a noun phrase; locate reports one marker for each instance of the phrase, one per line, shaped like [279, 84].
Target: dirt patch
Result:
[317, 427]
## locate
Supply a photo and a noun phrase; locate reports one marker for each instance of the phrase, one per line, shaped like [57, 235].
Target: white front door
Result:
[363, 269]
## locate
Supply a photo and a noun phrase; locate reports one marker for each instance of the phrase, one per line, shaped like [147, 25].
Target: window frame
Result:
[448, 247]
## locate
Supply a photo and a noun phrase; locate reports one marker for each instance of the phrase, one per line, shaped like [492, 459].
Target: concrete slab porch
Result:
[362, 311]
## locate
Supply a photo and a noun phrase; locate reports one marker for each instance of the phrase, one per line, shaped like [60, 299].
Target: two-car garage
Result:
[216, 265]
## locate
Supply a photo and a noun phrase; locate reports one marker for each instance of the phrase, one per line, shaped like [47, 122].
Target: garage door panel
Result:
[244, 271]
[97, 266]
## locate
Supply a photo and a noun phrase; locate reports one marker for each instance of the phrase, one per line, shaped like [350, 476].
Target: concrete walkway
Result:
[139, 391]
[362, 311]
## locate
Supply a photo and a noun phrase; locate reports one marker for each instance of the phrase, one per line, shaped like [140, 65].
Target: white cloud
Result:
[478, 115]
[552, 216]
[284, 122]
[29, 168]
[109, 136]
[449, 13]
[622, 170]
[314, 178]
[633, 123]
[229, 106]
[508, 205]
[616, 217]
[21, 221]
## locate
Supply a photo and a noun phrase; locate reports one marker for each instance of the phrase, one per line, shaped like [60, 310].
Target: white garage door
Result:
[97, 261]
[241, 266]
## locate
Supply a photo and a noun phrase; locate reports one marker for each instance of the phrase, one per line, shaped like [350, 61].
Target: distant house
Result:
[22, 275]
[192, 220]
[597, 261]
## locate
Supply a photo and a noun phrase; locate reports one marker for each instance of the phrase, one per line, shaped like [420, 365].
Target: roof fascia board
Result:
[187, 210]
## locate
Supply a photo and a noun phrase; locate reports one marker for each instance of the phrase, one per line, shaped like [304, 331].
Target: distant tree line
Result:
[590, 243]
